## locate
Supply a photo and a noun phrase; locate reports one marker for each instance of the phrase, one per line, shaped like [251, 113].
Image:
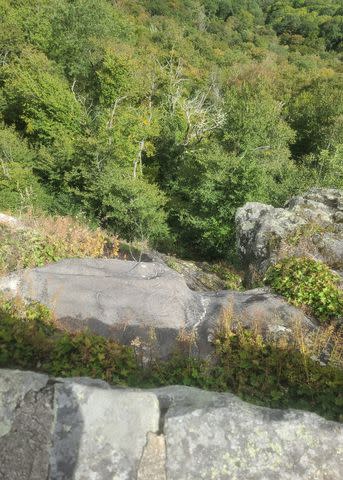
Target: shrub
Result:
[267, 371]
[132, 208]
[278, 372]
[19, 186]
[308, 283]
[29, 339]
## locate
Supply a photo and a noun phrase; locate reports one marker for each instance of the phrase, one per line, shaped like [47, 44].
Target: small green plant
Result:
[30, 339]
[233, 281]
[308, 283]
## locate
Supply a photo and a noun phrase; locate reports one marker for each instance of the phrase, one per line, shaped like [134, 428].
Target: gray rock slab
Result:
[77, 429]
[26, 419]
[124, 300]
[72, 430]
[100, 434]
[117, 291]
[14, 386]
[114, 298]
[230, 439]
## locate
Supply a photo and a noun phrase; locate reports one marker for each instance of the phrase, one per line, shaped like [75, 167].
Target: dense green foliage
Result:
[265, 372]
[29, 340]
[308, 283]
[157, 119]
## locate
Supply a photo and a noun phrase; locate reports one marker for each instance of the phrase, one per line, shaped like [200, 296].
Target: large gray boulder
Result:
[309, 225]
[218, 436]
[124, 300]
[66, 430]
[81, 429]
[100, 433]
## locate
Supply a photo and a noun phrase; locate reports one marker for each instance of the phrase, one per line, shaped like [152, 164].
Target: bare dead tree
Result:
[115, 105]
[3, 57]
[202, 117]
[73, 86]
[82, 100]
[175, 78]
[141, 146]
[203, 112]
[138, 159]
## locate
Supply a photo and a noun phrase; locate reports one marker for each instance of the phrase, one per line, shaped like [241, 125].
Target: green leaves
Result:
[307, 22]
[308, 283]
[19, 186]
[131, 207]
[316, 115]
[114, 78]
[209, 187]
[200, 99]
[39, 100]
[255, 123]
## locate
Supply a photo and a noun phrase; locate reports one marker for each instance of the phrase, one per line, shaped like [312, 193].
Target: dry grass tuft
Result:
[79, 237]
[323, 344]
[43, 239]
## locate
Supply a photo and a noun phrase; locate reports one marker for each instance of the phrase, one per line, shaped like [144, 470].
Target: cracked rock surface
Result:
[81, 429]
[26, 417]
[124, 300]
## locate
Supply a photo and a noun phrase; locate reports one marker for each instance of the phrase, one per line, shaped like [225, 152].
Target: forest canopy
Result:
[158, 119]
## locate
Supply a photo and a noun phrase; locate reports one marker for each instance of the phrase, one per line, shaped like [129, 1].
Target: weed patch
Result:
[272, 372]
[44, 240]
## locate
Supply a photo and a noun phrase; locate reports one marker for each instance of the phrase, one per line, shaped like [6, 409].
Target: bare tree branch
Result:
[113, 110]
[202, 117]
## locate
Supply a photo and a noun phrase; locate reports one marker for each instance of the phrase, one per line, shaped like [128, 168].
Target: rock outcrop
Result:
[309, 225]
[124, 300]
[81, 429]
[199, 276]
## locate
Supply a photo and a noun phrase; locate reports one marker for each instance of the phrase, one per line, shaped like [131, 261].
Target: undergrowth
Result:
[225, 271]
[308, 283]
[42, 239]
[218, 275]
[273, 371]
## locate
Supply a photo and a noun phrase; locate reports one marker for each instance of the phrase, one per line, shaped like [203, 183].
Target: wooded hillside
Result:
[157, 119]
